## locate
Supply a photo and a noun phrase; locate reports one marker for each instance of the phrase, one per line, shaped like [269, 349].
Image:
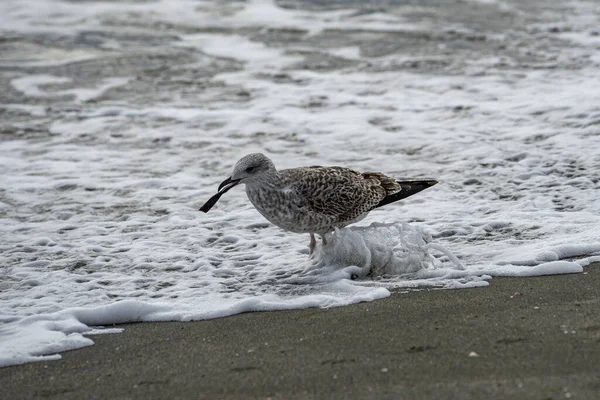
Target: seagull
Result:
[314, 200]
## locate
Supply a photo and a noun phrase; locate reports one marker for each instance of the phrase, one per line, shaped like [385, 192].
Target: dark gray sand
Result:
[534, 338]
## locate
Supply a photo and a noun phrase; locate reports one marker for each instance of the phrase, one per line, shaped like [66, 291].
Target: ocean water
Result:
[120, 118]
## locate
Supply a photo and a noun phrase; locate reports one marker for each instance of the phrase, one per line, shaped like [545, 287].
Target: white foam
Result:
[30, 86]
[352, 52]
[44, 57]
[42, 337]
[66, 17]
[265, 13]
[257, 56]
[378, 250]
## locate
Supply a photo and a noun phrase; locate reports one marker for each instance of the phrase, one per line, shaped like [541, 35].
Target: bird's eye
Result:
[250, 169]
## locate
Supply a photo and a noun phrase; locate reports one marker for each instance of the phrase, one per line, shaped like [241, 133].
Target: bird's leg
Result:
[313, 244]
[323, 239]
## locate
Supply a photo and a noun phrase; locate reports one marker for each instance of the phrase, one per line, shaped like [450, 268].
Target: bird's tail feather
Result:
[408, 188]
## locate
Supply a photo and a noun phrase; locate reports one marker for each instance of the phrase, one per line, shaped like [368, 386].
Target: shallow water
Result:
[119, 119]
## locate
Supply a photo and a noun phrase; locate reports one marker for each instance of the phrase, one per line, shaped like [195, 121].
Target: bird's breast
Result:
[282, 207]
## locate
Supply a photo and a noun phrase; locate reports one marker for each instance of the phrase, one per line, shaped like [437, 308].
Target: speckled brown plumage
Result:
[330, 197]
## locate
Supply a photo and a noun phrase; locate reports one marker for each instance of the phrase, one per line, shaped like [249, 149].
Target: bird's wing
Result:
[335, 191]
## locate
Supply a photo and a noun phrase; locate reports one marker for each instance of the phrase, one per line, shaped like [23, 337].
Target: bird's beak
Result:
[223, 188]
[227, 184]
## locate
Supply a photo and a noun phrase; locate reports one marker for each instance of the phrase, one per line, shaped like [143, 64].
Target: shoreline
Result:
[534, 337]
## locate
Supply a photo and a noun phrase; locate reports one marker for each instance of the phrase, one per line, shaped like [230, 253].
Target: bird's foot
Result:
[312, 245]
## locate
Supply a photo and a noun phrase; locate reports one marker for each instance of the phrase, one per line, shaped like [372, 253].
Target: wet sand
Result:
[526, 338]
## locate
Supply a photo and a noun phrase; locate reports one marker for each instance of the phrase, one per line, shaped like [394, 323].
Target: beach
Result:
[526, 338]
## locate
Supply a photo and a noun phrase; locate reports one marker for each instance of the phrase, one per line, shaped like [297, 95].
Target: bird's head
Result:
[252, 169]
